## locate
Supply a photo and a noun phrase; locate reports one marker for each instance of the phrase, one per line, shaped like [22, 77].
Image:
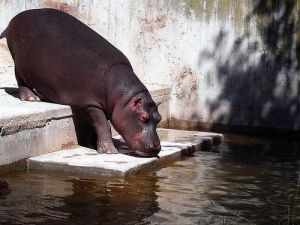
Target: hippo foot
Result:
[106, 148]
[27, 95]
[4, 187]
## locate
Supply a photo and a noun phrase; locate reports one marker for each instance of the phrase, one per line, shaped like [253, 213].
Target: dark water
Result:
[243, 181]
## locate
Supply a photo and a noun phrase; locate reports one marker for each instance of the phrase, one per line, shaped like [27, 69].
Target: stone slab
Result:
[32, 128]
[175, 144]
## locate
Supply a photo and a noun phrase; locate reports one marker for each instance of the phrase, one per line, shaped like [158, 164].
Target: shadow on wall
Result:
[260, 77]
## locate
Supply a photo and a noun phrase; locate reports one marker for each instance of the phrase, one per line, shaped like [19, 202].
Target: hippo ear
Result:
[137, 107]
[135, 103]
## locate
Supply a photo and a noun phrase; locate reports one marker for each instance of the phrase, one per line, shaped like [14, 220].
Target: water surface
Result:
[246, 180]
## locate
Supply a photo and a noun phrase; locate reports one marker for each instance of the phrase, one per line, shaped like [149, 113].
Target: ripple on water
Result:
[242, 182]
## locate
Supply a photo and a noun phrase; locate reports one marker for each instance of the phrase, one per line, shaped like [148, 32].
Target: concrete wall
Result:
[227, 61]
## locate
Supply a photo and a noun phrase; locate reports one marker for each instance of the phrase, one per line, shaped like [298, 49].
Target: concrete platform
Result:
[175, 144]
[32, 128]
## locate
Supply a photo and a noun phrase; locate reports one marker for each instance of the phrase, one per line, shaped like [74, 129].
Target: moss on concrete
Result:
[223, 10]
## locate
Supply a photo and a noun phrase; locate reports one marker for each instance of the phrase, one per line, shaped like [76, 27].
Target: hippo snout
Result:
[149, 150]
[153, 149]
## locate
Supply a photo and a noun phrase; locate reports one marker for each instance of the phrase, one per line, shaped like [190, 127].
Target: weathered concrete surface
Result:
[227, 62]
[175, 144]
[33, 128]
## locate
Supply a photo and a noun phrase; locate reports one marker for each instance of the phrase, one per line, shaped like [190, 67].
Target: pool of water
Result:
[245, 180]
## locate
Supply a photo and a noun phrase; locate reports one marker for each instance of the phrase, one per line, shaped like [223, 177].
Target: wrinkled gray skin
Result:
[66, 62]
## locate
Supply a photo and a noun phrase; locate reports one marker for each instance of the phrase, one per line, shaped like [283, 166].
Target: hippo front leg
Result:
[103, 131]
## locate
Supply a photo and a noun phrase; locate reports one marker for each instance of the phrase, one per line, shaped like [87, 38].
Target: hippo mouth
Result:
[143, 150]
[144, 154]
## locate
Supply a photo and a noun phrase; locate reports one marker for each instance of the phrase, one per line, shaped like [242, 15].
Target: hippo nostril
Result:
[154, 146]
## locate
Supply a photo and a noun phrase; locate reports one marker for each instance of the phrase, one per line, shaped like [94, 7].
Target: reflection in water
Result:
[113, 200]
[243, 181]
[49, 199]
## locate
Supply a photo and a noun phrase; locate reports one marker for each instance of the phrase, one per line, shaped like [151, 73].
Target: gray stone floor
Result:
[175, 144]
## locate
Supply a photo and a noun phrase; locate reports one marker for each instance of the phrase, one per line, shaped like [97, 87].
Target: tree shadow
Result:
[260, 78]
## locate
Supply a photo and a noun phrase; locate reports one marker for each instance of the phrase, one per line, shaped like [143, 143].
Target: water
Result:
[244, 181]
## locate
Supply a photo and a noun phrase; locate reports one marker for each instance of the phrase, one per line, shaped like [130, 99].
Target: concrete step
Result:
[33, 128]
[80, 160]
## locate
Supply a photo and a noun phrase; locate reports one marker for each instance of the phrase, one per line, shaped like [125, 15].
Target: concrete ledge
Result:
[17, 115]
[32, 128]
[175, 144]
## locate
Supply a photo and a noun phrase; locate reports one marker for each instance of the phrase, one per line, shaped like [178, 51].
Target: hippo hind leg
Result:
[25, 92]
[104, 139]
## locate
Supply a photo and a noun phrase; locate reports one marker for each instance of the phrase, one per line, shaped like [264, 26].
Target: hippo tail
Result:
[3, 34]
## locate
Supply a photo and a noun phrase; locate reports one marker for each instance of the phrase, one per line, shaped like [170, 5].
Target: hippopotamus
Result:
[4, 187]
[58, 57]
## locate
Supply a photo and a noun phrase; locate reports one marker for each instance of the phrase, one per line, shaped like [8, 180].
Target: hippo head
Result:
[136, 121]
